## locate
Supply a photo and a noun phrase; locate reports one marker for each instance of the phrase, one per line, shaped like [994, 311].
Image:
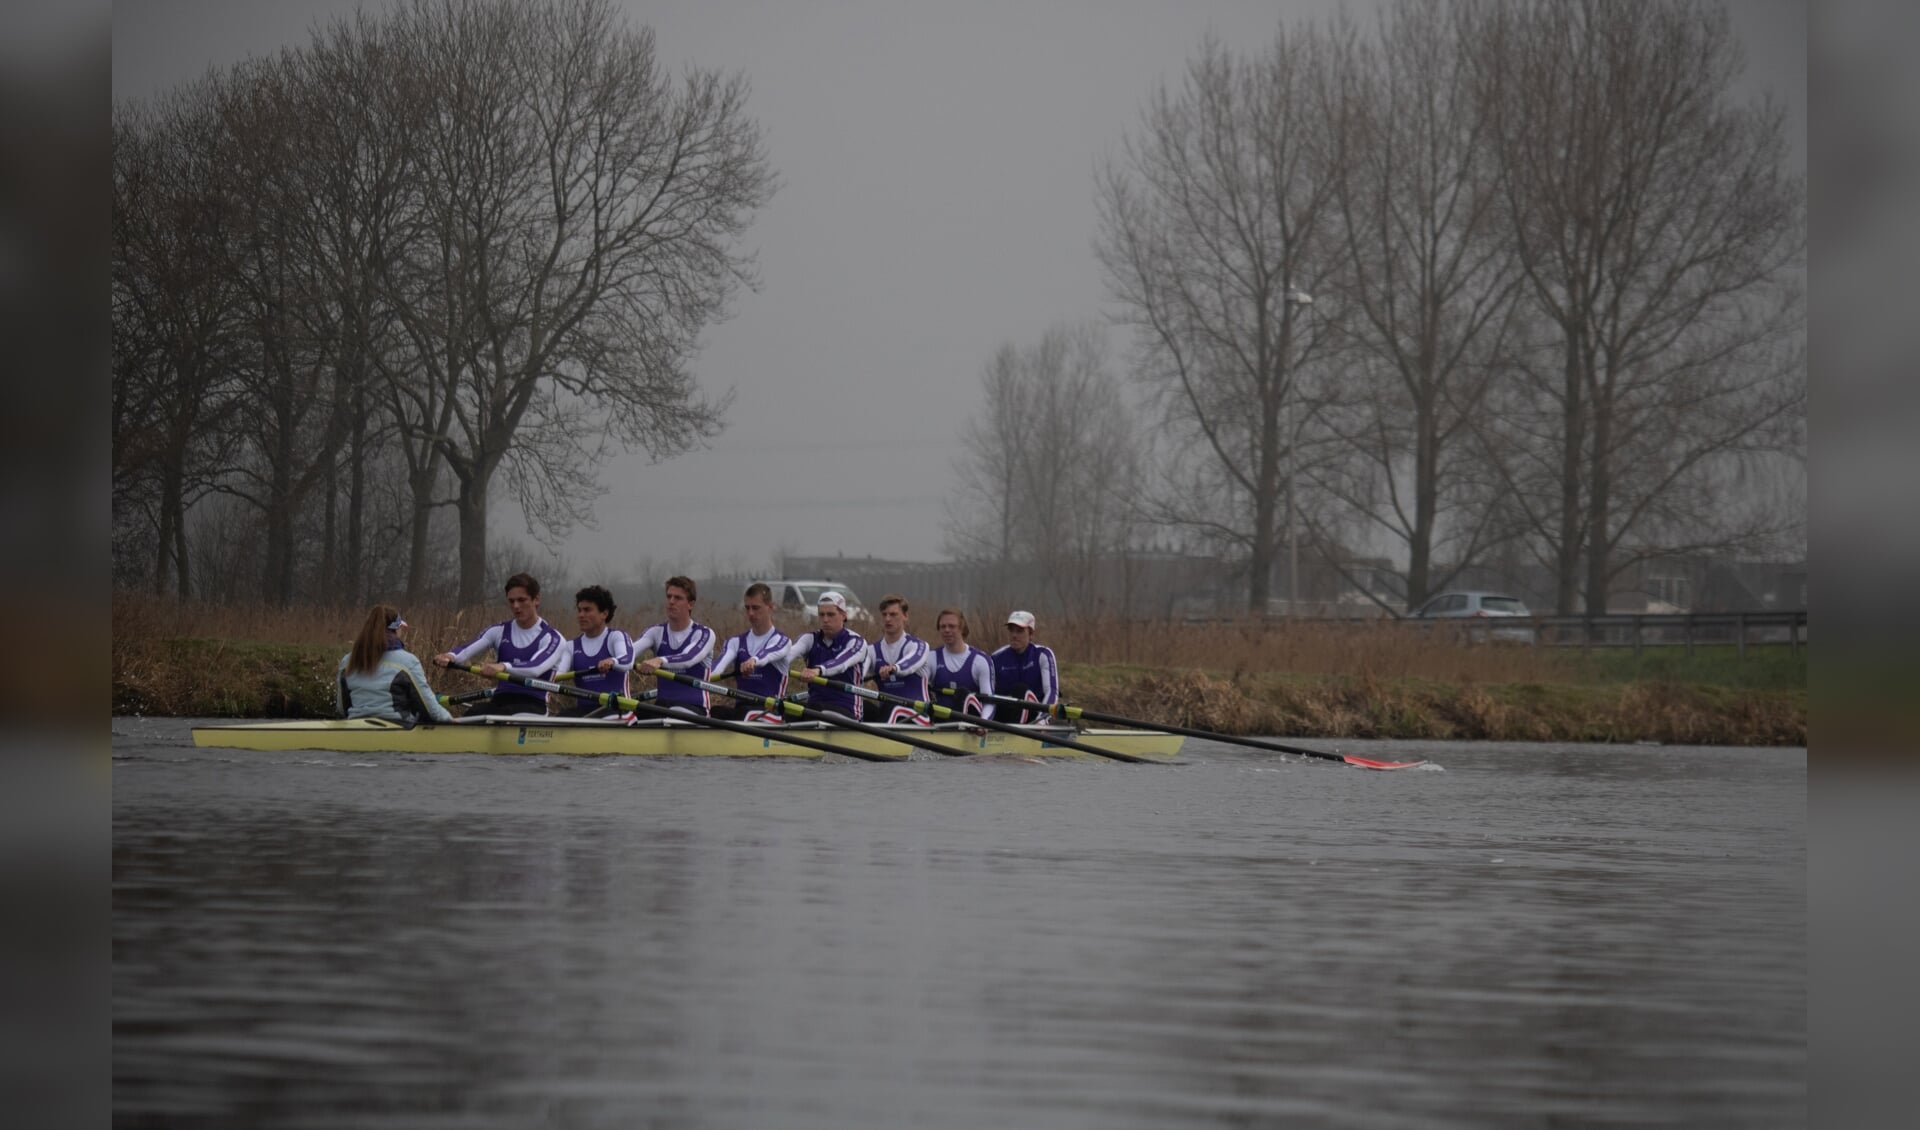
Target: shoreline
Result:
[211, 678]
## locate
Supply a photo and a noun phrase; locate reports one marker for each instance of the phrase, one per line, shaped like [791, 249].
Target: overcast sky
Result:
[936, 200]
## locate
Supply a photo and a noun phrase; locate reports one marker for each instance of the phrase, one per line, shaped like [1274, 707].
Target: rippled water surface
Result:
[1537, 935]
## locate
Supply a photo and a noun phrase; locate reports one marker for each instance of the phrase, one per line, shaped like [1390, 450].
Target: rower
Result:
[1024, 669]
[678, 644]
[600, 656]
[961, 667]
[757, 657]
[523, 645]
[899, 662]
[835, 651]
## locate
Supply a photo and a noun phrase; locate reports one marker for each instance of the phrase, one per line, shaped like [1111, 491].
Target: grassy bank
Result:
[194, 677]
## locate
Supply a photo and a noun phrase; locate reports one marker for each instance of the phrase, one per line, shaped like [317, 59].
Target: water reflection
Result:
[306, 939]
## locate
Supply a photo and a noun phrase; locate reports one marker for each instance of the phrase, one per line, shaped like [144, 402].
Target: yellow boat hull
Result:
[653, 738]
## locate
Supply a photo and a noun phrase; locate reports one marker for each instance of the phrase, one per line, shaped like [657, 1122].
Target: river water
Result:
[1537, 935]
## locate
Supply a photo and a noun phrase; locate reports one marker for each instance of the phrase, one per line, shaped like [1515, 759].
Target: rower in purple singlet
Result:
[600, 657]
[833, 650]
[523, 645]
[1024, 669]
[899, 662]
[961, 666]
[678, 644]
[756, 658]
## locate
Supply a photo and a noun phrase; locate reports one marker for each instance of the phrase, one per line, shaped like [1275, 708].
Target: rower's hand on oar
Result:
[605, 665]
[492, 669]
[444, 659]
[886, 671]
[649, 666]
[748, 665]
[809, 673]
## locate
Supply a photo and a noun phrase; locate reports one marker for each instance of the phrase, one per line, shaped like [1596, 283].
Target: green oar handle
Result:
[943, 713]
[795, 710]
[1059, 710]
[623, 702]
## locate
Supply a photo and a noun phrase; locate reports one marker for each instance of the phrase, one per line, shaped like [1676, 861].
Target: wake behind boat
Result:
[664, 737]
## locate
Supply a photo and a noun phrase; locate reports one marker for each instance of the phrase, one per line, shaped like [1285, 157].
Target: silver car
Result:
[1478, 606]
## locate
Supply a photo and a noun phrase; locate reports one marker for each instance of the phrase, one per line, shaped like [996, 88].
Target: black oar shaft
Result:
[945, 713]
[1060, 710]
[769, 733]
[795, 710]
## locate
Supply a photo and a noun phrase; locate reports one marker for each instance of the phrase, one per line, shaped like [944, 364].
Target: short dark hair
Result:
[598, 596]
[759, 589]
[685, 585]
[522, 581]
[895, 598]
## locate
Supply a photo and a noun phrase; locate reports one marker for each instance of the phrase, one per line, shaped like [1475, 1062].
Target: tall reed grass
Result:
[1229, 648]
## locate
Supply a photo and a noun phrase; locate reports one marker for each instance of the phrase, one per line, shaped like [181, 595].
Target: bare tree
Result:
[1219, 207]
[174, 324]
[1051, 469]
[1429, 284]
[1660, 236]
[576, 211]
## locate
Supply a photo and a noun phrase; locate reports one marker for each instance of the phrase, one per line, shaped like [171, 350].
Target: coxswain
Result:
[380, 678]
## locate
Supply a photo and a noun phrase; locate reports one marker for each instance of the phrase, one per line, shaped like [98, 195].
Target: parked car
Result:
[1479, 606]
[802, 597]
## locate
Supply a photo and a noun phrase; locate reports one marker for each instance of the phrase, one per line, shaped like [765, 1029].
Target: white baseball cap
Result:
[1020, 620]
[833, 597]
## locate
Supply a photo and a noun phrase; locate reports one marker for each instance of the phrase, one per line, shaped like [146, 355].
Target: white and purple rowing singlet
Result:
[970, 675]
[838, 658]
[911, 659]
[686, 653]
[584, 656]
[524, 651]
[1032, 674]
[769, 655]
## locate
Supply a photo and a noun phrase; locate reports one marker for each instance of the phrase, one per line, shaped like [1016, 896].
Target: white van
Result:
[803, 597]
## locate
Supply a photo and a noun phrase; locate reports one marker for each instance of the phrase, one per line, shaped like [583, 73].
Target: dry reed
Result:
[1304, 680]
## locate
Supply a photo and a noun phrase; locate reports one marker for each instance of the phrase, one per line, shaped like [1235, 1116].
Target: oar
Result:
[463, 699]
[771, 733]
[795, 710]
[1061, 710]
[476, 696]
[946, 713]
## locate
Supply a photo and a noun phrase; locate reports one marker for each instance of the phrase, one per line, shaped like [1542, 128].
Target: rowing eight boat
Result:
[652, 738]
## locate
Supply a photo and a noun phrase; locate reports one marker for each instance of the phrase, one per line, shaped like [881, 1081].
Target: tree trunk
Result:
[472, 508]
[356, 585]
[169, 512]
[329, 534]
[1567, 551]
[278, 583]
[1599, 498]
[1426, 501]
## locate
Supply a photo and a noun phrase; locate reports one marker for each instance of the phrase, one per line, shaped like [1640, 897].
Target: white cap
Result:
[1020, 620]
[833, 597]
[396, 624]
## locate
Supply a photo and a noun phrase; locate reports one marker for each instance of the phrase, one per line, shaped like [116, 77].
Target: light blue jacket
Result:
[388, 691]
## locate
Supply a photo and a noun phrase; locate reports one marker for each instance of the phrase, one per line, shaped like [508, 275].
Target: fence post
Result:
[1740, 635]
[1793, 633]
[1636, 637]
[1689, 633]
